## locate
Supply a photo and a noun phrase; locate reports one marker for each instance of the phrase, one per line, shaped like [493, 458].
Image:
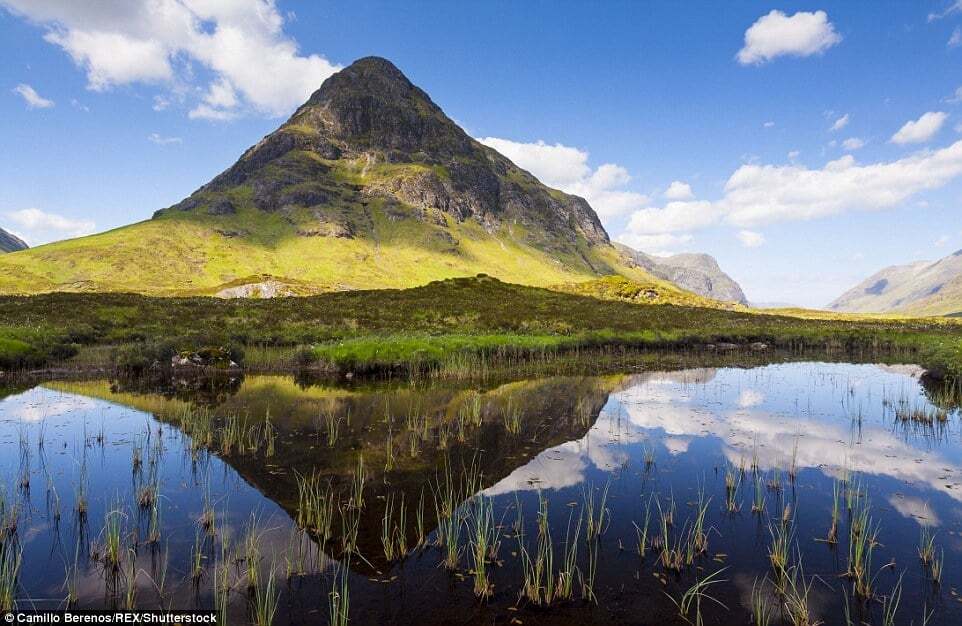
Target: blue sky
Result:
[111, 110]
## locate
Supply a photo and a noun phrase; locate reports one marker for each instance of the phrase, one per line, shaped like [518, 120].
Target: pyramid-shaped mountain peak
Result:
[367, 138]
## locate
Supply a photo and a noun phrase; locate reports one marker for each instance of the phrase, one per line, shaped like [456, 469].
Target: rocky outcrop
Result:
[11, 243]
[698, 273]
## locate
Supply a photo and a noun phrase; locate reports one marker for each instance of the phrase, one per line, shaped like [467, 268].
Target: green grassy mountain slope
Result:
[368, 185]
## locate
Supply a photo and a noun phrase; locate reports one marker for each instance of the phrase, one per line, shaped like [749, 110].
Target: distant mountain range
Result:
[11, 243]
[368, 185]
[920, 288]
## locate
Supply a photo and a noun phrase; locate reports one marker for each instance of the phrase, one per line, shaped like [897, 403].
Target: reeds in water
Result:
[485, 538]
[265, 600]
[393, 533]
[10, 561]
[339, 598]
[689, 605]
[315, 506]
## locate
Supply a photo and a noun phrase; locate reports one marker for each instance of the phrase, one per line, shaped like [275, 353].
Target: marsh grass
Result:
[863, 538]
[890, 603]
[11, 558]
[569, 564]
[762, 610]
[689, 605]
[485, 539]
[796, 593]
[265, 600]
[315, 506]
[641, 534]
[733, 480]
[339, 598]
[537, 567]
[113, 538]
[511, 415]
[758, 494]
[596, 516]
[393, 532]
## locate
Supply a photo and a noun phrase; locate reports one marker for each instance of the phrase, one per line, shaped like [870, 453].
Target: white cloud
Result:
[920, 130]
[750, 238]
[955, 7]
[793, 155]
[769, 124]
[749, 398]
[674, 217]
[33, 99]
[840, 123]
[759, 194]
[160, 103]
[941, 241]
[160, 140]
[853, 143]
[567, 169]
[663, 244]
[955, 40]
[37, 227]
[956, 96]
[114, 58]
[242, 43]
[207, 112]
[678, 190]
[776, 34]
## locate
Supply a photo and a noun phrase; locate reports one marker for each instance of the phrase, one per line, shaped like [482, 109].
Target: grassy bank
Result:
[472, 320]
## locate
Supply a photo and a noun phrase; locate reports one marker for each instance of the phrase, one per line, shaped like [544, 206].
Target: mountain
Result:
[698, 273]
[11, 243]
[920, 288]
[367, 185]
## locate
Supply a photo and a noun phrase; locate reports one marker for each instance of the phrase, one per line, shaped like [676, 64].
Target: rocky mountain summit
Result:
[368, 136]
[10, 242]
[919, 288]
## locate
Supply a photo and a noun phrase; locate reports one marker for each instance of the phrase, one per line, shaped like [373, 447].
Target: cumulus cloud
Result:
[840, 123]
[36, 227]
[920, 130]
[776, 34]
[241, 45]
[853, 143]
[955, 39]
[750, 238]
[757, 194]
[566, 168]
[678, 190]
[673, 217]
[33, 99]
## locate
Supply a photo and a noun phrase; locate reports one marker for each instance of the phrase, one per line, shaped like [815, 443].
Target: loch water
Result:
[557, 500]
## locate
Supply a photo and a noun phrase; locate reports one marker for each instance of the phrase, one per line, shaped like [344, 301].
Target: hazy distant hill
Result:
[699, 273]
[920, 288]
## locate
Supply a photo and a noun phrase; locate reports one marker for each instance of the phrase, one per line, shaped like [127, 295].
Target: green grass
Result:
[466, 323]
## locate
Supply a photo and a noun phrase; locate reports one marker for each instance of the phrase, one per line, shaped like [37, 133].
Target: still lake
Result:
[810, 491]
